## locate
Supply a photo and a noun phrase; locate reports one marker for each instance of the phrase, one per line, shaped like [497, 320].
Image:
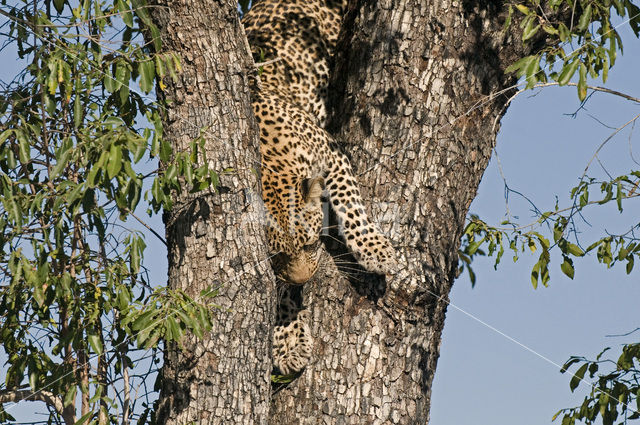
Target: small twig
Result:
[148, 227]
[553, 213]
[625, 334]
[581, 106]
[269, 62]
[630, 145]
[596, 119]
[594, 88]
[504, 180]
[595, 155]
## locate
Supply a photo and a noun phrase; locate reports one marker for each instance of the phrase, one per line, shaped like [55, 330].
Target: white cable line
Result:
[522, 345]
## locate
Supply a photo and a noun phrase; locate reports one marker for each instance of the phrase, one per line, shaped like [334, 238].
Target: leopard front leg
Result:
[370, 248]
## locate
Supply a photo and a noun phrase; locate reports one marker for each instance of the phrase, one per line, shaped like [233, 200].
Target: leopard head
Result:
[293, 231]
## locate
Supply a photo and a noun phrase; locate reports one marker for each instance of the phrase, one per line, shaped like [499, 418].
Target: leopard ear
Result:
[312, 189]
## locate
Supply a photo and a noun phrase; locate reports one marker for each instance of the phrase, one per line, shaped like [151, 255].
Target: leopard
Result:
[293, 43]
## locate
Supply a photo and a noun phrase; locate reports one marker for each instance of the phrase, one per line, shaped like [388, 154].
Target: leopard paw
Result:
[292, 345]
[375, 253]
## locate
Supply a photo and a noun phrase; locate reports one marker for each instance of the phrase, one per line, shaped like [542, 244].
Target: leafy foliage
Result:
[614, 394]
[588, 23]
[610, 249]
[76, 138]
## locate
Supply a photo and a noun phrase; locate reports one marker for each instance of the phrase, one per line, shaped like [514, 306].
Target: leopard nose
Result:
[299, 277]
[301, 271]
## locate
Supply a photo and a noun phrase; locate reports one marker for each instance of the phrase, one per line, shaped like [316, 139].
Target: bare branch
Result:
[48, 397]
[269, 62]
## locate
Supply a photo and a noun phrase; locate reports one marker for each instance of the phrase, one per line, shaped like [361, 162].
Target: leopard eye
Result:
[313, 246]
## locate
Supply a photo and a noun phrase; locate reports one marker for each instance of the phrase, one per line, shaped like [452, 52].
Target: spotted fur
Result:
[296, 39]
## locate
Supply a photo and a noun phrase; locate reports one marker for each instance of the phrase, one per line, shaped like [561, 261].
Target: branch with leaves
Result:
[589, 25]
[76, 129]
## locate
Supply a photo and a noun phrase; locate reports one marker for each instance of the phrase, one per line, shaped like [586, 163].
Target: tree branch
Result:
[594, 88]
[48, 397]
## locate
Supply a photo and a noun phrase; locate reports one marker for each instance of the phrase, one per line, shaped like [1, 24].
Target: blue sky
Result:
[483, 377]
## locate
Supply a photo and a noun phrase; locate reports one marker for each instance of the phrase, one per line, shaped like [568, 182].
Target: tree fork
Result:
[415, 95]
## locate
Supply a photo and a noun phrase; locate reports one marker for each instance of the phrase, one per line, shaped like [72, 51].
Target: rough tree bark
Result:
[419, 90]
[216, 238]
[416, 98]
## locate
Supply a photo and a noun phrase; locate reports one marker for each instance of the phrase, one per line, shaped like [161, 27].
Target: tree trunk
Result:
[216, 237]
[415, 107]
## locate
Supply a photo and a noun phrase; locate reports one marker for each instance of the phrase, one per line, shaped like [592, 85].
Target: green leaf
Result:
[473, 246]
[52, 78]
[584, 198]
[171, 175]
[578, 376]
[531, 71]
[612, 51]
[574, 249]
[23, 146]
[283, 379]
[5, 135]
[608, 195]
[521, 65]
[558, 232]
[59, 5]
[567, 267]
[567, 71]
[188, 172]
[171, 66]
[33, 379]
[585, 19]
[83, 420]
[115, 160]
[472, 275]
[634, 20]
[582, 82]
[70, 396]
[122, 74]
[110, 84]
[165, 151]
[147, 72]
[159, 66]
[530, 30]
[124, 93]
[174, 333]
[619, 196]
[78, 111]
[568, 364]
[544, 242]
[14, 210]
[127, 16]
[535, 275]
[145, 320]
[619, 7]
[563, 32]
